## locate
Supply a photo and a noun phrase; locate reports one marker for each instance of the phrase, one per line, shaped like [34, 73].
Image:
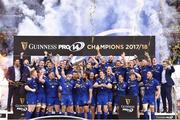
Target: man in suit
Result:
[25, 73]
[19, 72]
[166, 85]
[13, 75]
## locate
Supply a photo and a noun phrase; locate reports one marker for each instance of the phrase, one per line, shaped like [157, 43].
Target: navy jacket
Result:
[11, 73]
[168, 77]
[24, 71]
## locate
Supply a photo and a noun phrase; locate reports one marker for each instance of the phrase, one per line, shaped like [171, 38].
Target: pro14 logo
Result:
[75, 47]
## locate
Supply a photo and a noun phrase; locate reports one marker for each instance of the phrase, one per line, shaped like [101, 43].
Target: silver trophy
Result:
[77, 59]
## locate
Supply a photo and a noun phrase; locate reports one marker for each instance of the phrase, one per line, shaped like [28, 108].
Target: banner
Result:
[19, 104]
[85, 45]
[128, 107]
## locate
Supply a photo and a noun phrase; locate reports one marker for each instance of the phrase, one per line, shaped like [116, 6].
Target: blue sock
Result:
[152, 116]
[82, 114]
[42, 113]
[76, 114]
[89, 115]
[57, 113]
[62, 113]
[146, 116]
[28, 115]
[158, 104]
[98, 115]
[70, 114]
[49, 113]
[110, 113]
[105, 115]
[37, 114]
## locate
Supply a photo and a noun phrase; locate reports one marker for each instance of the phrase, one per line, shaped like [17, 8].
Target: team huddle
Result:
[89, 87]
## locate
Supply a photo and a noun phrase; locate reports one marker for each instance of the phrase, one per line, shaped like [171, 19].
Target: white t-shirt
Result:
[17, 74]
[164, 77]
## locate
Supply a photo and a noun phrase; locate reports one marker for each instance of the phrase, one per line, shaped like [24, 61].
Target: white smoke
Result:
[72, 17]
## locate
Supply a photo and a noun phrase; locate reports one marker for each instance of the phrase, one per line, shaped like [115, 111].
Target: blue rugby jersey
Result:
[150, 87]
[128, 73]
[157, 71]
[111, 79]
[121, 88]
[102, 90]
[32, 83]
[119, 71]
[51, 87]
[144, 71]
[85, 85]
[133, 87]
[67, 86]
[41, 88]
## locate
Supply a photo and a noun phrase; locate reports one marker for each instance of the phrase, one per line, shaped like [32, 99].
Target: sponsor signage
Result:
[85, 45]
[128, 107]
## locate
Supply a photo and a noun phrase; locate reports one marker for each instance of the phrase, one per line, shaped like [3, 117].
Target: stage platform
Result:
[4, 115]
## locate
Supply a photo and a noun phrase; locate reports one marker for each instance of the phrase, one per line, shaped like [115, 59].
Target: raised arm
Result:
[171, 67]
[138, 76]
[29, 89]
[148, 58]
[56, 71]
[45, 56]
[123, 55]
[21, 59]
[97, 63]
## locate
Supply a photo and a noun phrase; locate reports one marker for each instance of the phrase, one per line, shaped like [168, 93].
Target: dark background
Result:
[98, 40]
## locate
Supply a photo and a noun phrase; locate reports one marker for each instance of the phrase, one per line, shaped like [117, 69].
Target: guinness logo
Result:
[128, 101]
[24, 45]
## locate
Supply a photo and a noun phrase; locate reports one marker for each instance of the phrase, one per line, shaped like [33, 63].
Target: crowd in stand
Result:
[6, 41]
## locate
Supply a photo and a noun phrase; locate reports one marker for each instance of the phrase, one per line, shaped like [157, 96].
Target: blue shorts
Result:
[110, 96]
[82, 100]
[138, 99]
[31, 99]
[149, 100]
[41, 98]
[117, 100]
[102, 99]
[74, 96]
[51, 101]
[67, 100]
[94, 100]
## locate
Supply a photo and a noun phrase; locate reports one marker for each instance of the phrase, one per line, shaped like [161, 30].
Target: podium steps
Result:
[4, 114]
